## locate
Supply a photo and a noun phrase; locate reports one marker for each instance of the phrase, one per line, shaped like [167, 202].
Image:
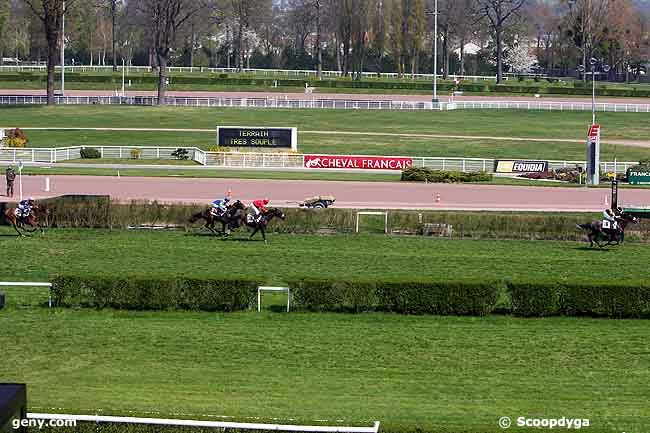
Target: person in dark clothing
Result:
[11, 177]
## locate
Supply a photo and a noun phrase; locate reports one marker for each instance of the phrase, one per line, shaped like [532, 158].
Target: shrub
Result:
[444, 298]
[422, 174]
[326, 295]
[614, 300]
[471, 298]
[181, 154]
[153, 293]
[535, 299]
[136, 153]
[15, 138]
[90, 153]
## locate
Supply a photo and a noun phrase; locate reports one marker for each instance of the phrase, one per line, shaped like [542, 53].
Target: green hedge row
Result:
[154, 293]
[424, 174]
[616, 300]
[100, 212]
[475, 298]
[224, 80]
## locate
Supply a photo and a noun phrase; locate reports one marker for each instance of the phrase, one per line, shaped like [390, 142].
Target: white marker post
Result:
[47, 184]
[20, 178]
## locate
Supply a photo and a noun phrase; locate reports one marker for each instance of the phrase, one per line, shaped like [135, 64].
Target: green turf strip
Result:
[365, 256]
[437, 373]
[539, 125]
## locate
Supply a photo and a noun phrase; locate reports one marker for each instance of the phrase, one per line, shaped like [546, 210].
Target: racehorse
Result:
[30, 220]
[595, 232]
[260, 225]
[231, 219]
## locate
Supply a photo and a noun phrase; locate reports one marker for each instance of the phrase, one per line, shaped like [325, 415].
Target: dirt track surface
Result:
[370, 195]
[349, 96]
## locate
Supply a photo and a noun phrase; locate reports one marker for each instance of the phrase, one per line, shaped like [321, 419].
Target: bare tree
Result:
[51, 12]
[587, 25]
[499, 14]
[164, 19]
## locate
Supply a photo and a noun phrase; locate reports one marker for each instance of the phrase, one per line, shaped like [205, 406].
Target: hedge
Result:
[475, 298]
[224, 80]
[614, 300]
[153, 293]
[422, 174]
[534, 299]
[100, 212]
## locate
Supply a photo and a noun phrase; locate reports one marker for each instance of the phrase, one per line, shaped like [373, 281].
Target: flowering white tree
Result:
[520, 59]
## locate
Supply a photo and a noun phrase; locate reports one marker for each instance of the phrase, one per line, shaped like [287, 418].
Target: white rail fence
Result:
[251, 71]
[198, 423]
[252, 160]
[337, 104]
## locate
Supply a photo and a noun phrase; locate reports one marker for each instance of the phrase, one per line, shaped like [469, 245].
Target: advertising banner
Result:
[357, 162]
[520, 166]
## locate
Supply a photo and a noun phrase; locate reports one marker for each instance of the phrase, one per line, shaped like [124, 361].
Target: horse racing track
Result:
[412, 372]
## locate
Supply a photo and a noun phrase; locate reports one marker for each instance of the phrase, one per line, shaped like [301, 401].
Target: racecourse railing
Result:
[251, 71]
[255, 160]
[201, 423]
[314, 103]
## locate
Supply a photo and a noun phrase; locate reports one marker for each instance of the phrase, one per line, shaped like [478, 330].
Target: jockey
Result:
[221, 205]
[258, 207]
[25, 206]
[609, 221]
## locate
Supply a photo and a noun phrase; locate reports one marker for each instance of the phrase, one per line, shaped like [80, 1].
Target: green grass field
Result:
[290, 256]
[443, 374]
[541, 127]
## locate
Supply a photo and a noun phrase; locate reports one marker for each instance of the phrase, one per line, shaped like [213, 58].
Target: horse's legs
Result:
[16, 228]
[253, 234]
[263, 233]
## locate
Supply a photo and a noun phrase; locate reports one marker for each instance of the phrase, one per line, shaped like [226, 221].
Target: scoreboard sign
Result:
[253, 136]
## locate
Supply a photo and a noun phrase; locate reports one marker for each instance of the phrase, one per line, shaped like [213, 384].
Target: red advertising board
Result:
[594, 132]
[357, 162]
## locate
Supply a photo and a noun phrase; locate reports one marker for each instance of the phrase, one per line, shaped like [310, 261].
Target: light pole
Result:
[123, 71]
[593, 139]
[434, 99]
[63, 52]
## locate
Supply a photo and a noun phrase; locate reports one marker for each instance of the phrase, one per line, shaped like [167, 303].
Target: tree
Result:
[164, 18]
[520, 59]
[4, 24]
[499, 14]
[50, 12]
[587, 22]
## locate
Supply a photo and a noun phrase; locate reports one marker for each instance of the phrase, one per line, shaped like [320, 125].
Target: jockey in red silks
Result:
[258, 207]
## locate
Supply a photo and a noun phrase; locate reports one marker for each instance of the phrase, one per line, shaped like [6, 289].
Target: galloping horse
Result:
[30, 220]
[260, 225]
[229, 220]
[595, 232]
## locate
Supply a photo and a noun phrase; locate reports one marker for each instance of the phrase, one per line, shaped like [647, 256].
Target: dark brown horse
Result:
[259, 224]
[230, 220]
[597, 235]
[31, 220]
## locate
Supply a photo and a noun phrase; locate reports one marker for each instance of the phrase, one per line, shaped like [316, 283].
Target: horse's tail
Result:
[586, 226]
[197, 216]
